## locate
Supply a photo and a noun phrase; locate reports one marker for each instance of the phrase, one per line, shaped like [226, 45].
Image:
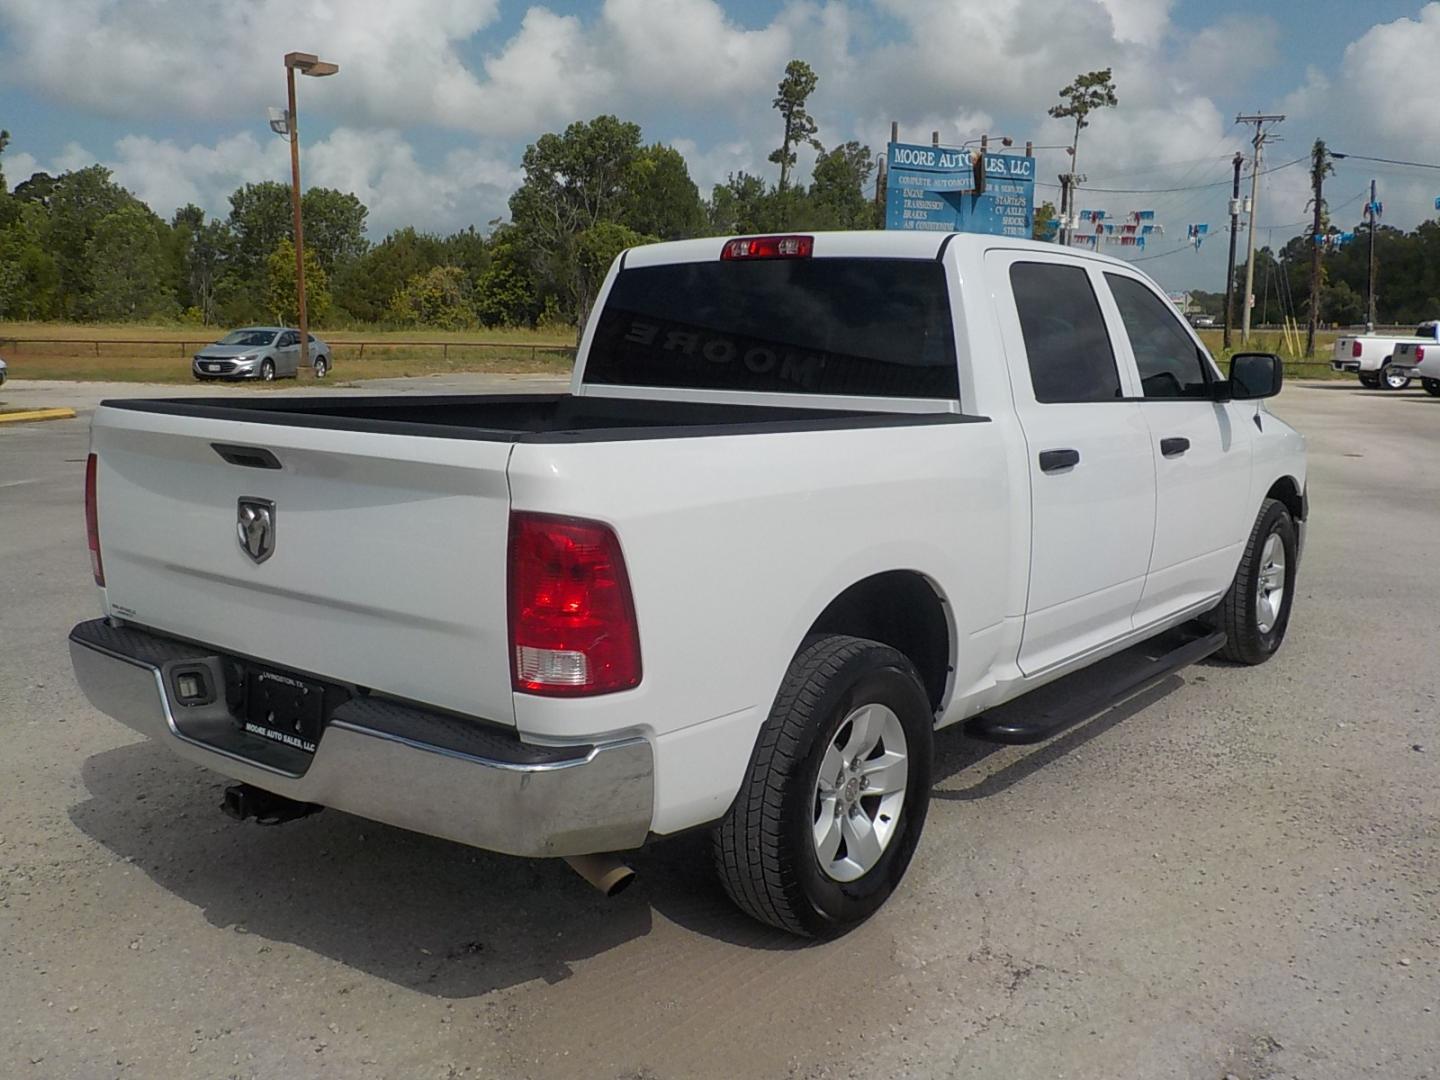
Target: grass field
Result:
[138, 353]
[128, 352]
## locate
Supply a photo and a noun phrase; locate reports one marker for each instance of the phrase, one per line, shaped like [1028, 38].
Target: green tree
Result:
[743, 204]
[38, 188]
[77, 203]
[334, 226]
[468, 250]
[207, 246]
[505, 293]
[130, 269]
[598, 247]
[576, 179]
[259, 219]
[440, 298]
[1044, 215]
[1341, 305]
[261, 215]
[29, 275]
[792, 95]
[364, 287]
[573, 182]
[1091, 91]
[660, 199]
[280, 300]
[839, 189]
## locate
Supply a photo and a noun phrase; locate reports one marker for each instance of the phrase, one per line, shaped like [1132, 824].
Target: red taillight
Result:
[769, 247]
[572, 618]
[1419, 353]
[1355, 349]
[92, 522]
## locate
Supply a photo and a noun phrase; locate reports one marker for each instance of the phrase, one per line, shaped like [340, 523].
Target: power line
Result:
[1172, 191]
[1162, 255]
[1388, 161]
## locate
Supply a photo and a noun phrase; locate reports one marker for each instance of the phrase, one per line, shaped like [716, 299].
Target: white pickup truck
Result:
[808, 499]
[1419, 360]
[1370, 356]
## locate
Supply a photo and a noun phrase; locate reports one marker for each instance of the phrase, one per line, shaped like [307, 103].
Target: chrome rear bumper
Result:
[429, 772]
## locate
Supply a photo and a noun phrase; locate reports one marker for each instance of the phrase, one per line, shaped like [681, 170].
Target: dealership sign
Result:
[942, 189]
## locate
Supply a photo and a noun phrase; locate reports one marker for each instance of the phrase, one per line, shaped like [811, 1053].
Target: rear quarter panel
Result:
[735, 544]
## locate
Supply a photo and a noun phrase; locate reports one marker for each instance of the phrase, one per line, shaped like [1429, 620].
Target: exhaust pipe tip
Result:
[242, 802]
[604, 872]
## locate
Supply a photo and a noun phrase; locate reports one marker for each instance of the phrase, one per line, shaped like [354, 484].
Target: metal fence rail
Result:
[184, 345]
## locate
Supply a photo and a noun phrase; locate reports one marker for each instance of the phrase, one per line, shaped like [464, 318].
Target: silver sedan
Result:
[259, 352]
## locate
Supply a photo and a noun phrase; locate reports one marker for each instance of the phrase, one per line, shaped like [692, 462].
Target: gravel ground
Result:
[1237, 874]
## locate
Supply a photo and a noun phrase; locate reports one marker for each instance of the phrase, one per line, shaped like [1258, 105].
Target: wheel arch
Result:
[905, 610]
[1287, 491]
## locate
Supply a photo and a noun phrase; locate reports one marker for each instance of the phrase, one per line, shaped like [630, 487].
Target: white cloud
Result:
[1141, 21]
[468, 186]
[1383, 88]
[216, 58]
[687, 50]
[18, 166]
[166, 176]
[401, 63]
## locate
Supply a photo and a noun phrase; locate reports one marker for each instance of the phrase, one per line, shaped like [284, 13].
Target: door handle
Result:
[1174, 447]
[1055, 460]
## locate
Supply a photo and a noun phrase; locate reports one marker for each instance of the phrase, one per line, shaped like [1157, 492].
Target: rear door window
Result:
[862, 327]
[1066, 343]
[1171, 364]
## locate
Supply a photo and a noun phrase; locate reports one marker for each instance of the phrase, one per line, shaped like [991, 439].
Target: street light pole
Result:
[307, 64]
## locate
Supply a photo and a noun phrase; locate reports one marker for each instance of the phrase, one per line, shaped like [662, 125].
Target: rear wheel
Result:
[1432, 386]
[322, 367]
[1391, 378]
[1370, 381]
[831, 809]
[1256, 611]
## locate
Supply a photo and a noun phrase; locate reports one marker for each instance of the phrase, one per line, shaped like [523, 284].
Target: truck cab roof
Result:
[863, 244]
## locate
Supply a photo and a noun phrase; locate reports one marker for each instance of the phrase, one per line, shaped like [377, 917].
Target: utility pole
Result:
[1319, 166]
[1064, 231]
[1370, 304]
[1234, 230]
[1261, 137]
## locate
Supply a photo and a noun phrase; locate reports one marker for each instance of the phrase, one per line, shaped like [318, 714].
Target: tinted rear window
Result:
[870, 327]
[1066, 342]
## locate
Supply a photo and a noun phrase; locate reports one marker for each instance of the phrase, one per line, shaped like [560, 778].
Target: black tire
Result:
[764, 849]
[267, 371]
[1245, 642]
[1432, 386]
[1384, 382]
[1370, 381]
[322, 367]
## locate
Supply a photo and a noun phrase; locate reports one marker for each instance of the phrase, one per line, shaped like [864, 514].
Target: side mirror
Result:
[1255, 375]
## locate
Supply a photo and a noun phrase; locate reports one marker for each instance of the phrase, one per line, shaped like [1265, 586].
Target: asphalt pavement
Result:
[1236, 874]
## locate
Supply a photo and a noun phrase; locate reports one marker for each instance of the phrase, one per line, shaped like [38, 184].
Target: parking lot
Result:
[1235, 874]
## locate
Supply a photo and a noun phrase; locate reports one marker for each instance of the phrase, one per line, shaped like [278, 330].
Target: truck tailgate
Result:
[388, 561]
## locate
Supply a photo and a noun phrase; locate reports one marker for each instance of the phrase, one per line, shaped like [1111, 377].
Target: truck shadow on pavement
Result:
[452, 921]
[432, 916]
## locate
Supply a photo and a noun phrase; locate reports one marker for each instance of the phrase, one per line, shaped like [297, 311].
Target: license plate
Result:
[283, 709]
[212, 367]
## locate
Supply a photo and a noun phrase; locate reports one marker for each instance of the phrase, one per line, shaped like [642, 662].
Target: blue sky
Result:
[436, 99]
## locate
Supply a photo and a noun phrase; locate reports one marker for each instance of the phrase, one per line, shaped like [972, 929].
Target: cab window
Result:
[1171, 364]
[1066, 343]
